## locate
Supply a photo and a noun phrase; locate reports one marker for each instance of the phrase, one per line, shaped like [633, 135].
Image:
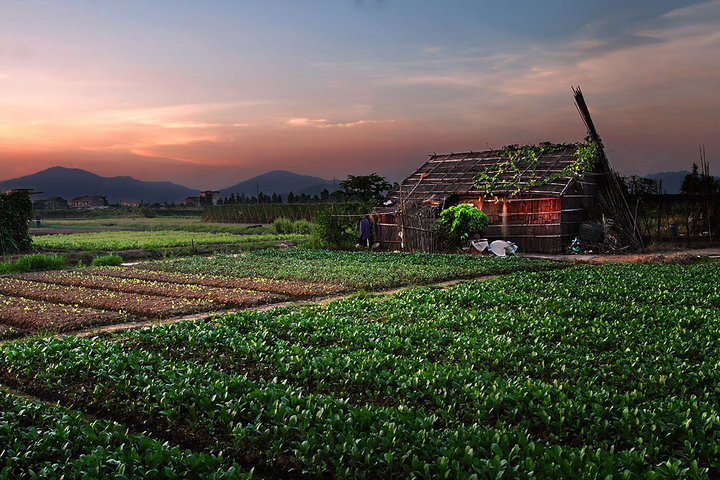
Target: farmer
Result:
[364, 232]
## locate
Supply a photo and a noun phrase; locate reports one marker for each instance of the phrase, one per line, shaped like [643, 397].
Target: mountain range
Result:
[281, 182]
[74, 182]
[671, 181]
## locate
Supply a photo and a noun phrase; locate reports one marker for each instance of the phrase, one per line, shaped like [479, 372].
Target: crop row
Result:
[369, 270]
[25, 314]
[228, 297]
[690, 286]
[151, 271]
[280, 424]
[151, 306]
[42, 441]
[126, 240]
[510, 377]
[390, 373]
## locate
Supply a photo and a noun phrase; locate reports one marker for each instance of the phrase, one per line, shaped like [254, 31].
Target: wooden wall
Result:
[535, 224]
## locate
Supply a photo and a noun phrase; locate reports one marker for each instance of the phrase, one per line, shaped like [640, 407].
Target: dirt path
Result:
[675, 256]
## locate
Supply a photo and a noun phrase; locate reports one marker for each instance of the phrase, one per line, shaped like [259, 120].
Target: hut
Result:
[537, 197]
[540, 197]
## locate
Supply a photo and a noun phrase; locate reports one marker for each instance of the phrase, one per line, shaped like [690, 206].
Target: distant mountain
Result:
[74, 182]
[671, 181]
[281, 182]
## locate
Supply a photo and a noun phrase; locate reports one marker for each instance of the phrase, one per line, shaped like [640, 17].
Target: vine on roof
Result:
[524, 160]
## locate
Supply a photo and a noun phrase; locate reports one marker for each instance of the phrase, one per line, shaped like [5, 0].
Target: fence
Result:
[266, 212]
[692, 218]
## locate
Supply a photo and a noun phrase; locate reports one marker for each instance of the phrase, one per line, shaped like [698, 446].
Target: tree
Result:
[364, 189]
[638, 186]
[691, 182]
[696, 183]
[290, 197]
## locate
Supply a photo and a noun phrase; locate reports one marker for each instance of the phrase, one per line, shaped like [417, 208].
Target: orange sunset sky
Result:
[210, 93]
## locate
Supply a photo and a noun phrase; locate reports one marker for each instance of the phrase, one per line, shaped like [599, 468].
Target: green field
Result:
[126, 240]
[355, 270]
[187, 223]
[585, 372]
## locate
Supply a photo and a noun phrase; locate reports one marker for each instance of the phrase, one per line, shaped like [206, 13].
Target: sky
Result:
[210, 93]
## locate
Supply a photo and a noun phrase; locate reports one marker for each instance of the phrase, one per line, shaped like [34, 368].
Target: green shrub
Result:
[282, 225]
[146, 211]
[457, 224]
[107, 261]
[302, 227]
[334, 231]
[29, 263]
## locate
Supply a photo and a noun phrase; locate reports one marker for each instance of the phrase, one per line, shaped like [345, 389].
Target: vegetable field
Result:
[67, 300]
[355, 270]
[125, 240]
[586, 372]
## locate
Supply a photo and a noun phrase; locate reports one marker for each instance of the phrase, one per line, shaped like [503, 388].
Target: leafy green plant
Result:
[107, 260]
[45, 441]
[457, 224]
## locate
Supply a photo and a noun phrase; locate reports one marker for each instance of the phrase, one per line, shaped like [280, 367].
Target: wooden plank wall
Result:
[544, 225]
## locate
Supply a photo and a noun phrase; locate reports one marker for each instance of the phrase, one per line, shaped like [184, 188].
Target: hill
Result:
[281, 182]
[74, 182]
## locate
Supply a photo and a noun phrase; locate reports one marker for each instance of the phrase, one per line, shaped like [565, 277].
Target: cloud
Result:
[701, 11]
[324, 123]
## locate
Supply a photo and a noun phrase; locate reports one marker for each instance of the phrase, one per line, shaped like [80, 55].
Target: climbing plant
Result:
[523, 160]
[15, 212]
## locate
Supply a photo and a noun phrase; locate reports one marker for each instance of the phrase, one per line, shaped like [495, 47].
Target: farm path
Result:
[676, 256]
[380, 294]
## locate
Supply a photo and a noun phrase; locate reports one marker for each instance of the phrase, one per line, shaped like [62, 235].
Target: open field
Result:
[127, 240]
[65, 300]
[586, 372]
[186, 223]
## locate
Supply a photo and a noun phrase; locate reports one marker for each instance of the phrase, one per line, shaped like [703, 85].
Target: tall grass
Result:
[29, 263]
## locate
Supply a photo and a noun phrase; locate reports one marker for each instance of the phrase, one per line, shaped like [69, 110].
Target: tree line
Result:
[363, 189]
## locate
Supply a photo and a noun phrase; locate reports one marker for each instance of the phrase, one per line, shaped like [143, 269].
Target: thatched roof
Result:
[455, 173]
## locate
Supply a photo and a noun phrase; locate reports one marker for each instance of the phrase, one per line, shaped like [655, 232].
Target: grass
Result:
[106, 261]
[29, 263]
